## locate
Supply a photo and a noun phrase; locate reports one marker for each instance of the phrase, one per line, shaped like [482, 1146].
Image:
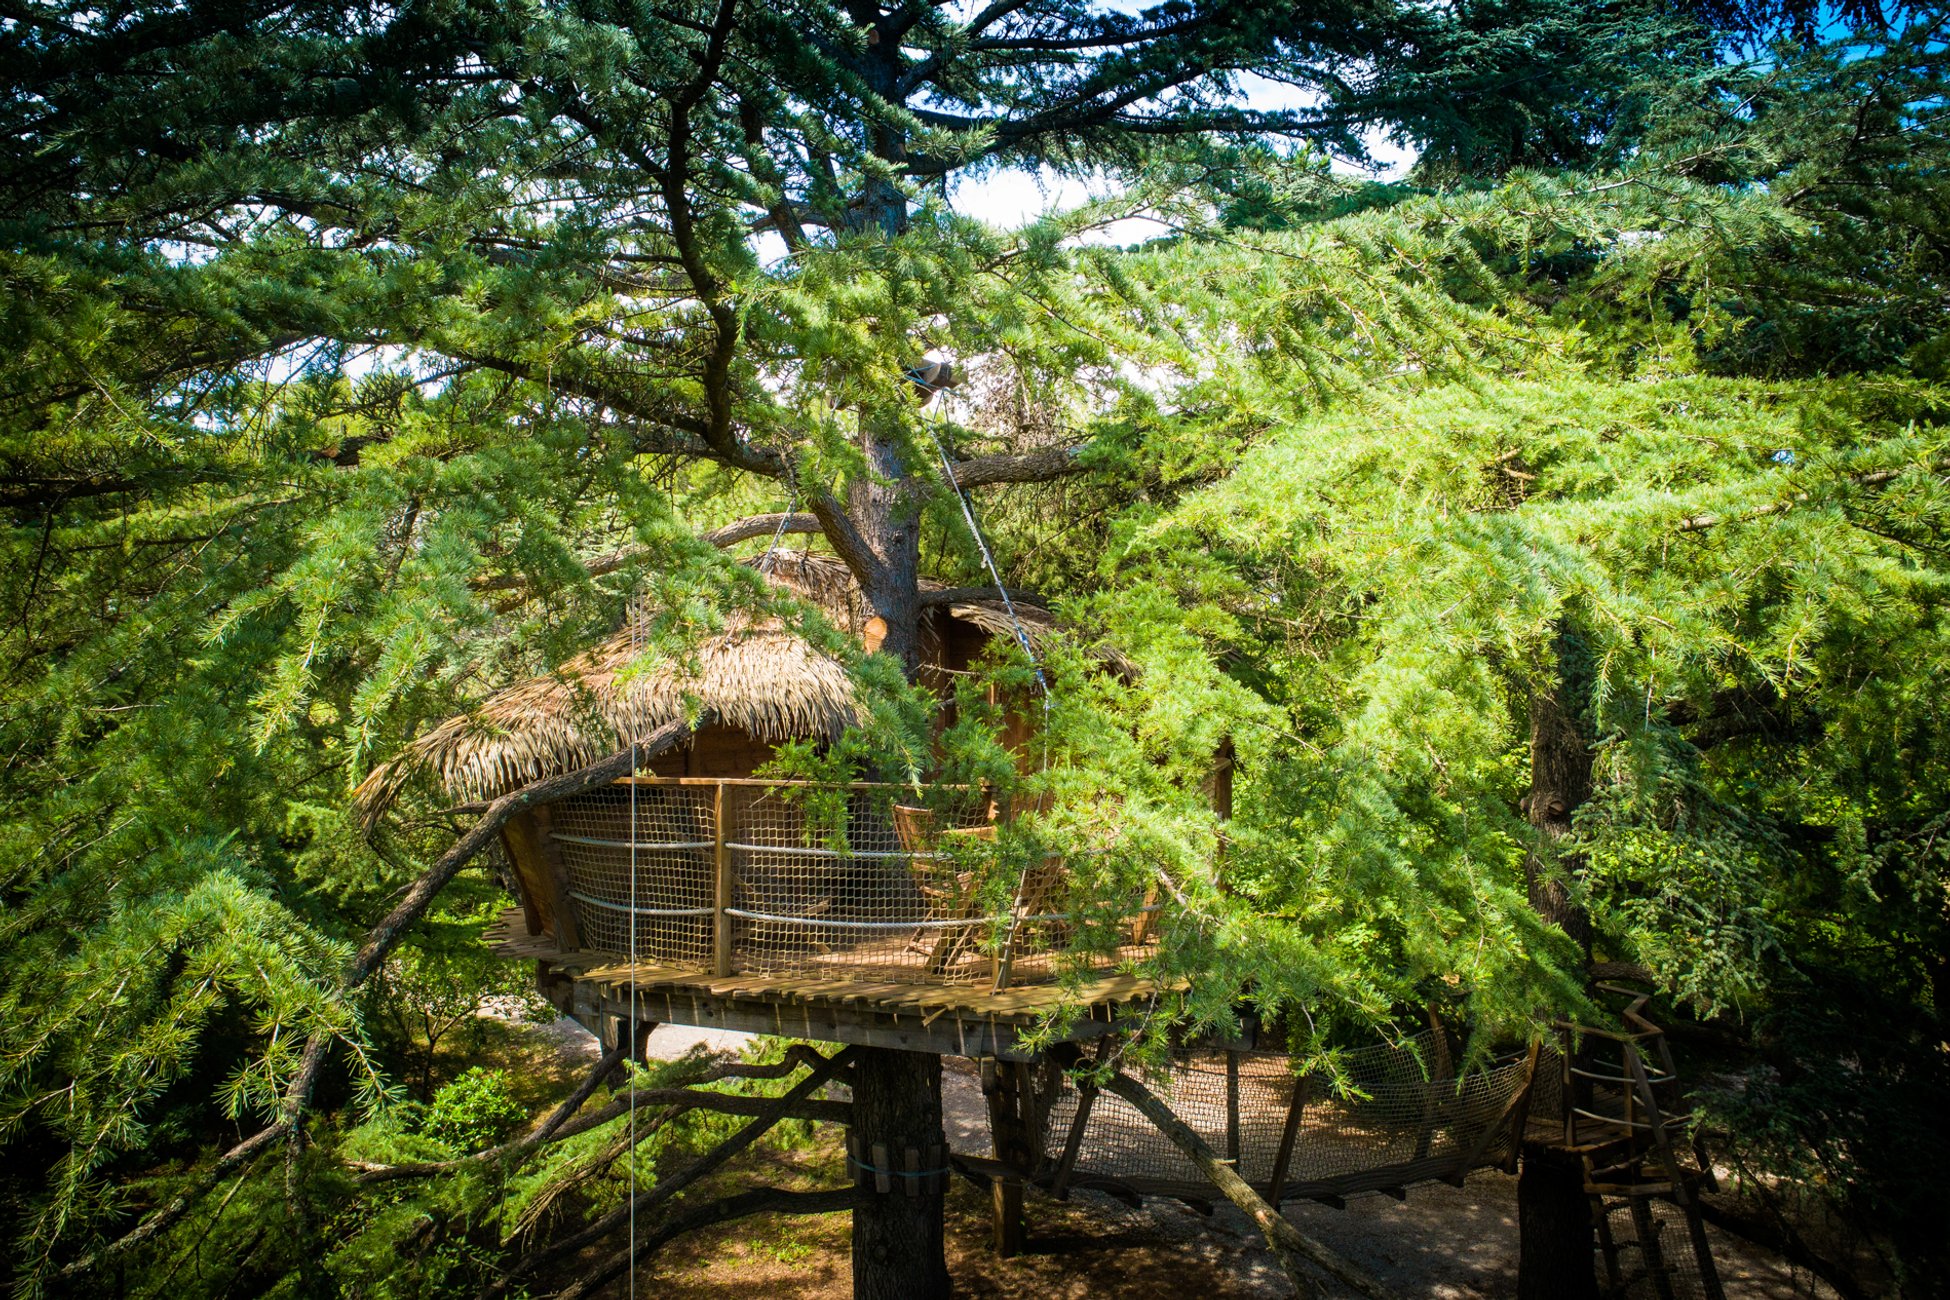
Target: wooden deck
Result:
[600, 990]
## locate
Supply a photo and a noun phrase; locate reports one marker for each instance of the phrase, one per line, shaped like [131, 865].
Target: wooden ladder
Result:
[1623, 1112]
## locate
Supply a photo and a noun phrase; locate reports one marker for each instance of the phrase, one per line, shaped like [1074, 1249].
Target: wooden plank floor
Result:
[508, 937]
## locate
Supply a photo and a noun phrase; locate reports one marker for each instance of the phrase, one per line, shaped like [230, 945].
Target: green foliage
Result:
[438, 985]
[474, 1111]
[338, 341]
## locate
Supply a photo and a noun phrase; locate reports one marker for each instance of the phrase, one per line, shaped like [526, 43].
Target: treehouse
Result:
[906, 922]
[698, 892]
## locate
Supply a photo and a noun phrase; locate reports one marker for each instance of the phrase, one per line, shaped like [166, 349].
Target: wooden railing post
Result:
[721, 886]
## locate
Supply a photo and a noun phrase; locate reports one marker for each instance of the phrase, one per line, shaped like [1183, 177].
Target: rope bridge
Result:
[1402, 1119]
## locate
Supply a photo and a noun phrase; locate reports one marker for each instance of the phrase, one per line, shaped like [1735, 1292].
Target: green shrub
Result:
[476, 1110]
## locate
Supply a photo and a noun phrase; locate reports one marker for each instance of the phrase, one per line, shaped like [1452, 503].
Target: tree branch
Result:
[775, 1110]
[1874, 478]
[597, 566]
[520, 1146]
[847, 542]
[674, 185]
[1020, 467]
[380, 941]
[1290, 1245]
[761, 526]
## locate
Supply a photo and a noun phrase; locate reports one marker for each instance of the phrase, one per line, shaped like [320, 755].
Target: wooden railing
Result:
[823, 881]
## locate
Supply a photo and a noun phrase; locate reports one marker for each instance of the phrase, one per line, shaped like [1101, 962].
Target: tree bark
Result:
[885, 512]
[1560, 783]
[1554, 1232]
[897, 1232]
[1554, 1255]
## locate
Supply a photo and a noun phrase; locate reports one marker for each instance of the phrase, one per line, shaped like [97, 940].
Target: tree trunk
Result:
[1010, 1090]
[900, 1151]
[896, 1135]
[1553, 1228]
[1554, 1257]
[1560, 783]
[885, 509]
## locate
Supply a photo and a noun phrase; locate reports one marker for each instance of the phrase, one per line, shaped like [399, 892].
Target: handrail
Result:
[561, 838]
[724, 863]
[940, 923]
[787, 783]
[605, 904]
[809, 851]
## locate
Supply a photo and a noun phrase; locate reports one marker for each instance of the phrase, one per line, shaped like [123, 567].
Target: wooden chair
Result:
[1042, 881]
[947, 888]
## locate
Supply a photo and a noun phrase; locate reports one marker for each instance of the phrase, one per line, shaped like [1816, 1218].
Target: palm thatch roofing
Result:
[757, 676]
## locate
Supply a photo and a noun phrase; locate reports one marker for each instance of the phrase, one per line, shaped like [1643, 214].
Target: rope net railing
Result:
[800, 879]
[1399, 1121]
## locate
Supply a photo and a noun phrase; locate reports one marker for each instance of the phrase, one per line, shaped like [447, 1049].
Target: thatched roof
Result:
[758, 677]
[761, 679]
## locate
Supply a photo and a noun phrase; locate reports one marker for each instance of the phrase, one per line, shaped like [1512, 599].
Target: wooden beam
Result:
[1073, 1143]
[723, 886]
[518, 842]
[1006, 1088]
[1289, 1132]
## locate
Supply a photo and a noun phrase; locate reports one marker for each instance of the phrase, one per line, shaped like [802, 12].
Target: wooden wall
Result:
[716, 751]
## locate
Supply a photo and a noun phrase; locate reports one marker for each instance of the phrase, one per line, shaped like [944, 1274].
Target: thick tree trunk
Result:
[886, 512]
[1554, 1230]
[896, 1134]
[900, 1151]
[1554, 1215]
[1560, 783]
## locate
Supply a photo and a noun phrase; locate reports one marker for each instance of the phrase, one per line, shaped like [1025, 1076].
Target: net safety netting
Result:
[1652, 1257]
[825, 881]
[1397, 1121]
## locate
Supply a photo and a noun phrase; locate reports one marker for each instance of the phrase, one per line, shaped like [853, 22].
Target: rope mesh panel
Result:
[675, 834]
[827, 882]
[826, 887]
[1655, 1257]
[1402, 1127]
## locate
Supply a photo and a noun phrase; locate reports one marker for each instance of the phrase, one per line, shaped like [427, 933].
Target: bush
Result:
[476, 1110]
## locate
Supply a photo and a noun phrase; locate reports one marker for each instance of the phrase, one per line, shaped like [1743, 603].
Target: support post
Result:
[721, 887]
[637, 1034]
[1008, 1090]
[898, 1251]
[1554, 1227]
[1283, 1159]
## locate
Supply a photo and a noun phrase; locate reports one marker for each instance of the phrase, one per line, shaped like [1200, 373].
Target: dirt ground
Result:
[1442, 1243]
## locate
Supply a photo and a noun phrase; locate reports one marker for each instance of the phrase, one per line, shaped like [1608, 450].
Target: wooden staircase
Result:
[1625, 1119]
